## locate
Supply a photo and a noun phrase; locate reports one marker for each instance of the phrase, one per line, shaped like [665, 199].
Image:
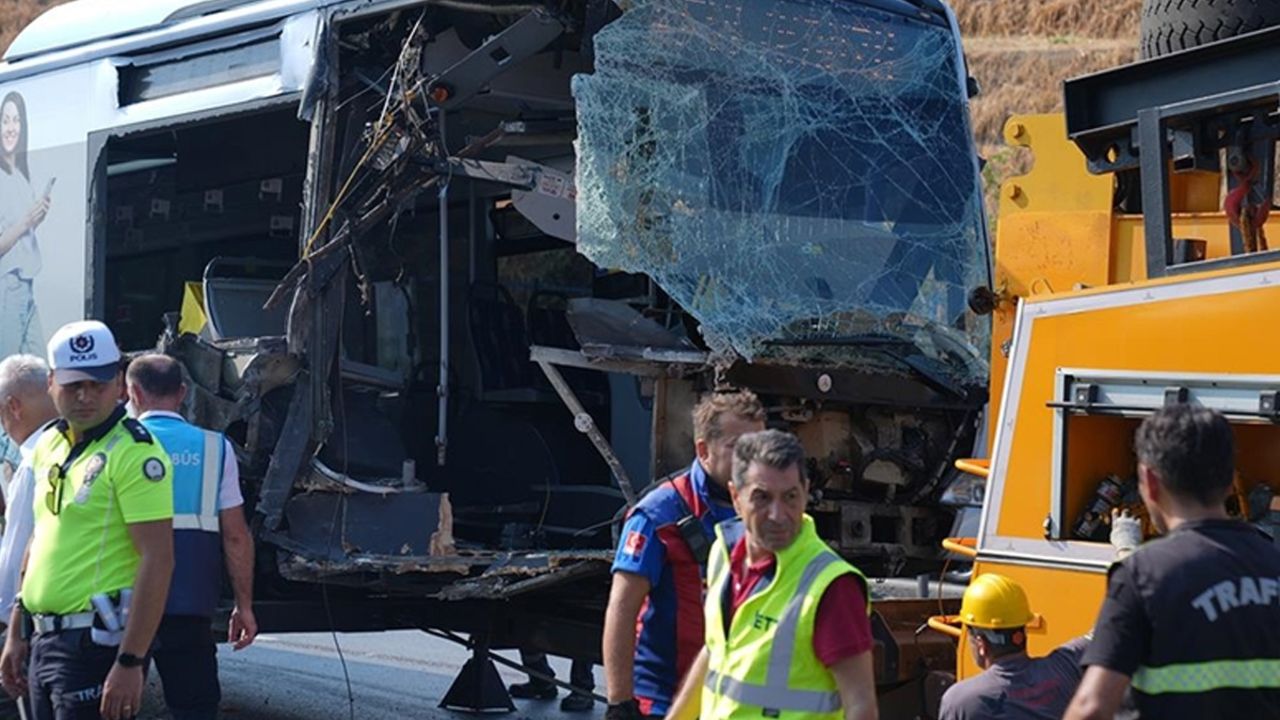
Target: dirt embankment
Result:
[1111, 19]
[1020, 51]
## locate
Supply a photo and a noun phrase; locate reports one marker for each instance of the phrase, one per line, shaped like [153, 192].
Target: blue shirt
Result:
[669, 632]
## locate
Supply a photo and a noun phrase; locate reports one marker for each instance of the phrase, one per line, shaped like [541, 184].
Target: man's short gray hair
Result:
[158, 375]
[23, 376]
[771, 448]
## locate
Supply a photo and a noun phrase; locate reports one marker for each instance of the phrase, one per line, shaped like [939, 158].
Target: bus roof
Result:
[84, 21]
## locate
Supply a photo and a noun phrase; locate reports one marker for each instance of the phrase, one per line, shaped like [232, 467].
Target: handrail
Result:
[975, 466]
[945, 624]
[961, 546]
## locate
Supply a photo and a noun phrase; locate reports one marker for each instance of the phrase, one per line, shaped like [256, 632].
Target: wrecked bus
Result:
[451, 275]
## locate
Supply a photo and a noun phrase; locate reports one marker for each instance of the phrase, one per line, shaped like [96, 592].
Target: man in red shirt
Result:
[841, 629]
[765, 571]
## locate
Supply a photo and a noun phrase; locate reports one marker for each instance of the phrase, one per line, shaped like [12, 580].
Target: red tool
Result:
[1242, 212]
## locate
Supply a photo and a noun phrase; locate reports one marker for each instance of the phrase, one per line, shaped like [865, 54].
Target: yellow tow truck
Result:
[1132, 270]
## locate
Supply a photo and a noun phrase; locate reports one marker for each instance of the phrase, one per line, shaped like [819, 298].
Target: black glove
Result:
[625, 710]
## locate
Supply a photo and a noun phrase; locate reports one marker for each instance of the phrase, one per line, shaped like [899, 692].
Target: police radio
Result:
[692, 531]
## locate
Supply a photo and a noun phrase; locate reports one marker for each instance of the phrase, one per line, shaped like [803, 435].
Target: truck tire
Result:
[1172, 25]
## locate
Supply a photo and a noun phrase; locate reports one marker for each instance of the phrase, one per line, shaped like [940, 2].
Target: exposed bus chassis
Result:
[431, 527]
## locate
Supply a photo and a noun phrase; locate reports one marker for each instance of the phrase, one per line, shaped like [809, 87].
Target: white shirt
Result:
[19, 521]
[229, 494]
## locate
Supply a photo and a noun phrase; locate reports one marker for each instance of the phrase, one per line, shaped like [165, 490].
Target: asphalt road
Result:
[394, 676]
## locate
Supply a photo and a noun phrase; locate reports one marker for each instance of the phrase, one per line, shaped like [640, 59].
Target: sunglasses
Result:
[53, 498]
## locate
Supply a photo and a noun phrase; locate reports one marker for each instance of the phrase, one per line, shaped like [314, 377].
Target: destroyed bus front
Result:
[537, 237]
[530, 237]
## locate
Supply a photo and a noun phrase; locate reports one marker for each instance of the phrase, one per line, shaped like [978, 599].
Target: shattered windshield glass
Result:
[798, 174]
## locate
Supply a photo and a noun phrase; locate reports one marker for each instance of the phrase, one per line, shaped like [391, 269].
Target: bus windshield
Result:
[798, 174]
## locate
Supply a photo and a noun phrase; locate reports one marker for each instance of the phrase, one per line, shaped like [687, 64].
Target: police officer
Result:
[208, 525]
[1191, 621]
[1013, 686]
[661, 562]
[103, 525]
[788, 633]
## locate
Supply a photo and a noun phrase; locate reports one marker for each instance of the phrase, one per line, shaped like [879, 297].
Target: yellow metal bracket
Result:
[946, 624]
[951, 625]
[1061, 181]
[975, 466]
[961, 546]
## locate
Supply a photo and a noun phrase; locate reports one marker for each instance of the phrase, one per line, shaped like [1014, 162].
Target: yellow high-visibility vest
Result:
[765, 666]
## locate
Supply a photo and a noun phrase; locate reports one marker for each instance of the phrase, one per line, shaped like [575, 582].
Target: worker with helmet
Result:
[995, 614]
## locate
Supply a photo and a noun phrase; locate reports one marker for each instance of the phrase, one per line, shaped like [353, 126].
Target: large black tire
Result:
[1172, 25]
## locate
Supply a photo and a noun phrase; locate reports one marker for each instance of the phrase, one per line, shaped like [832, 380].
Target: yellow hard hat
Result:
[995, 602]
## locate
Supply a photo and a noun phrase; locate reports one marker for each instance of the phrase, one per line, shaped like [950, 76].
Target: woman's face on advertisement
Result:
[10, 127]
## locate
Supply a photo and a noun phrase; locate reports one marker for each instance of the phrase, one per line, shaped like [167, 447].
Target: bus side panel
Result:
[43, 129]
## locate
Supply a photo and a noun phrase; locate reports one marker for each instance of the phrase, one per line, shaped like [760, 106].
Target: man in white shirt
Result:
[25, 408]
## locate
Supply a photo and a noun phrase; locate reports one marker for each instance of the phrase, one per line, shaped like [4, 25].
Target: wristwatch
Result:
[129, 660]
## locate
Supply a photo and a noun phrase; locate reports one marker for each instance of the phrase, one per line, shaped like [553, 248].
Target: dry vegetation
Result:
[1024, 75]
[1020, 51]
[15, 14]
[1112, 19]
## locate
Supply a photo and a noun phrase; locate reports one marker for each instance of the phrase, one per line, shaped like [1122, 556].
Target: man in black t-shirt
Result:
[1191, 621]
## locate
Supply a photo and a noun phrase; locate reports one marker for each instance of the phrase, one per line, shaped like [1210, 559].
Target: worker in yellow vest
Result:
[788, 633]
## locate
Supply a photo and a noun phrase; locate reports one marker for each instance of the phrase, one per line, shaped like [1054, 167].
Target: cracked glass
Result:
[798, 174]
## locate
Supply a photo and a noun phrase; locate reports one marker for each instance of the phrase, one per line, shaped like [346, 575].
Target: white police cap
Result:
[83, 350]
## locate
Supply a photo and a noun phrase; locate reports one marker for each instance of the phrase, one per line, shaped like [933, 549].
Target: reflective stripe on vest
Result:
[784, 638]
[773, 698]
[775, 694]
[761, 661]
[715, 570]
[206, 518]
[1206, 676]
